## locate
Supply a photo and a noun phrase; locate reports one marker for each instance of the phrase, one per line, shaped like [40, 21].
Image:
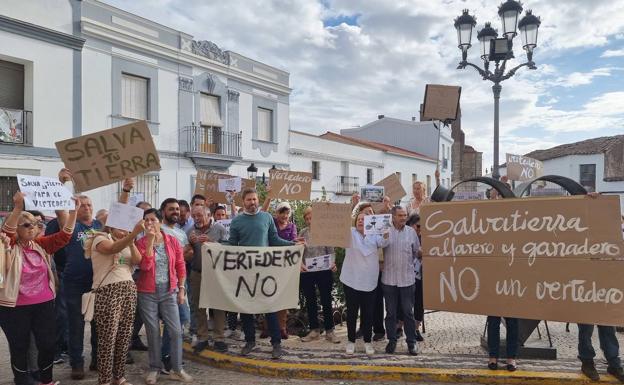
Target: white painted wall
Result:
[96, 91]
[53, 14]
[48, 89]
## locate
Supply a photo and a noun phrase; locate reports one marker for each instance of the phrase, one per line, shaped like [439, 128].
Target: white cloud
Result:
[613, 53]
[345, 75]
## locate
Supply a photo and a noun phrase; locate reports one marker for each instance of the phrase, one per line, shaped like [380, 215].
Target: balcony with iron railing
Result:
[206, 142]
[347, 185]
[15, 126]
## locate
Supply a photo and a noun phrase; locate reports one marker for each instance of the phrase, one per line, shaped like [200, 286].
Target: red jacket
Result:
[177, 267]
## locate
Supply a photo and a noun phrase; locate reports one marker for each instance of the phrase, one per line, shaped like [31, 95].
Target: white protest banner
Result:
[248, 279]
[320, 263]
[372, 193]
[377, 224]
[523, 168]
[44, 193]
[230, 184]
[226, 223]
[469, 195]
[123, 217]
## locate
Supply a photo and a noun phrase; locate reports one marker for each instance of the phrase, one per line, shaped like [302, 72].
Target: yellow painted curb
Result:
[386, 373]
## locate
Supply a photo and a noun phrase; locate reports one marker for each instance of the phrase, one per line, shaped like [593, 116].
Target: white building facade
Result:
[77, 67]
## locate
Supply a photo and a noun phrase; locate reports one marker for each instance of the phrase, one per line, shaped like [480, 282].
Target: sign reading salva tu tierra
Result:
[558, 259]
[108, 156]
[292, 185]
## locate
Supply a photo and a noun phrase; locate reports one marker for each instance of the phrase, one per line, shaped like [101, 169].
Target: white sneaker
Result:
[351, 348]
[227, 333]
[238, 335]
[193, 340]
[369, 348]
[152, 377]
[181, 376]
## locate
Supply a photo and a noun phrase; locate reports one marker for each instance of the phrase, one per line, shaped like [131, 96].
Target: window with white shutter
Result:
[265, 124]
[210, 111]
[134, 97]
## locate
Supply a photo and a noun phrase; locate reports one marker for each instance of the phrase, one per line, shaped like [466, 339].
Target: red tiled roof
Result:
[375, 145]
[585, 147]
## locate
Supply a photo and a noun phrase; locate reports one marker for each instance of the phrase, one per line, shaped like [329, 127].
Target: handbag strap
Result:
[103, 279]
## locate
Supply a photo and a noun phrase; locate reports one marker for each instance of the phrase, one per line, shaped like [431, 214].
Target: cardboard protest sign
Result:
[372, 193]
[547, 258]
[331, 224]
[44, 193]
[377, 224]
[123, 217]
[252, 280]
[3, 252]
[291, 185]
[207, 184]
[230, 184]
[392, 187]
[522, 168]
[320, 263]
[108, 156]
[441, 102]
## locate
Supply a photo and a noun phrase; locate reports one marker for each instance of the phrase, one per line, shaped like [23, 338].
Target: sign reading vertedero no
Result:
[522, 168]
[290, 185]
[252, 280]
[557, 259]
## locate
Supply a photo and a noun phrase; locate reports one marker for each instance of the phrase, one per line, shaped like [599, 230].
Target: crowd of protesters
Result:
[152, 276]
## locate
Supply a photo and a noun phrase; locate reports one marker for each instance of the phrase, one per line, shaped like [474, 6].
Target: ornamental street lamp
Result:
[252, 171]
[498, 50]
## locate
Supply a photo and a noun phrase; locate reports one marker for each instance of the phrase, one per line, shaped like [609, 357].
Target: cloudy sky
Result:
[351, 60]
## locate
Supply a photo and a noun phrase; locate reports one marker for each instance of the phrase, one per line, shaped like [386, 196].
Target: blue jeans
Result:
[403, 298]
[608, 344]
[73, 299]
[164, 303]
[185, 314]
[250, 329]
[61, 318]
[493, 329]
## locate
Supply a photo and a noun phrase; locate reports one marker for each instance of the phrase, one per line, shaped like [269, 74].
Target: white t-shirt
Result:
[360, 269]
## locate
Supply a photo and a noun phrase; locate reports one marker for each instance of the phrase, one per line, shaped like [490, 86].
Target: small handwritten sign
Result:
[108, 156]
[377, 224]
[44, 193]
[469, 195]
[207, 184]
[523, 168]
[392, 187]
[251, 280]
[331, 224]
[320, 263]
[291, 185]
[123, 217]
[230, 184]
[541, 258]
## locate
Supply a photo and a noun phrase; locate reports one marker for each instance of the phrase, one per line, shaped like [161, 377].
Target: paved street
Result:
[452, 340]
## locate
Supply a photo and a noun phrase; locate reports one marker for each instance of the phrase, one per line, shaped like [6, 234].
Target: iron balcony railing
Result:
[210, 140]
[15, 126]
[347, 185]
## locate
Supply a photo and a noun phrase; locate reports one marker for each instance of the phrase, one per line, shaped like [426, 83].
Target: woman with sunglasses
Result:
[27, 297]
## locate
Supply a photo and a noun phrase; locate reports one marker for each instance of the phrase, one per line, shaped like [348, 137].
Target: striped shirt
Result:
[400, 257]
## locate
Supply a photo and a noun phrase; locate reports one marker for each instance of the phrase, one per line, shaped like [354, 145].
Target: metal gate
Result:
[146, 185]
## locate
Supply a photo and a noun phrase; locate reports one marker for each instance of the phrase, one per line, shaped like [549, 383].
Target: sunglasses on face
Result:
[27, 225]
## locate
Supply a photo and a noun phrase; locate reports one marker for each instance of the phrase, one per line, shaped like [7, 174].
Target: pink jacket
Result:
[177, 268]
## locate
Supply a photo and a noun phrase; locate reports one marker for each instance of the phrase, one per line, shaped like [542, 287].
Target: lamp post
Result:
[498, 50]
[252, 171]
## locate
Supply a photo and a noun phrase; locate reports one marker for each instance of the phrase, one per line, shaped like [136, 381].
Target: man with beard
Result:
[257, 228]
[170, 211]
